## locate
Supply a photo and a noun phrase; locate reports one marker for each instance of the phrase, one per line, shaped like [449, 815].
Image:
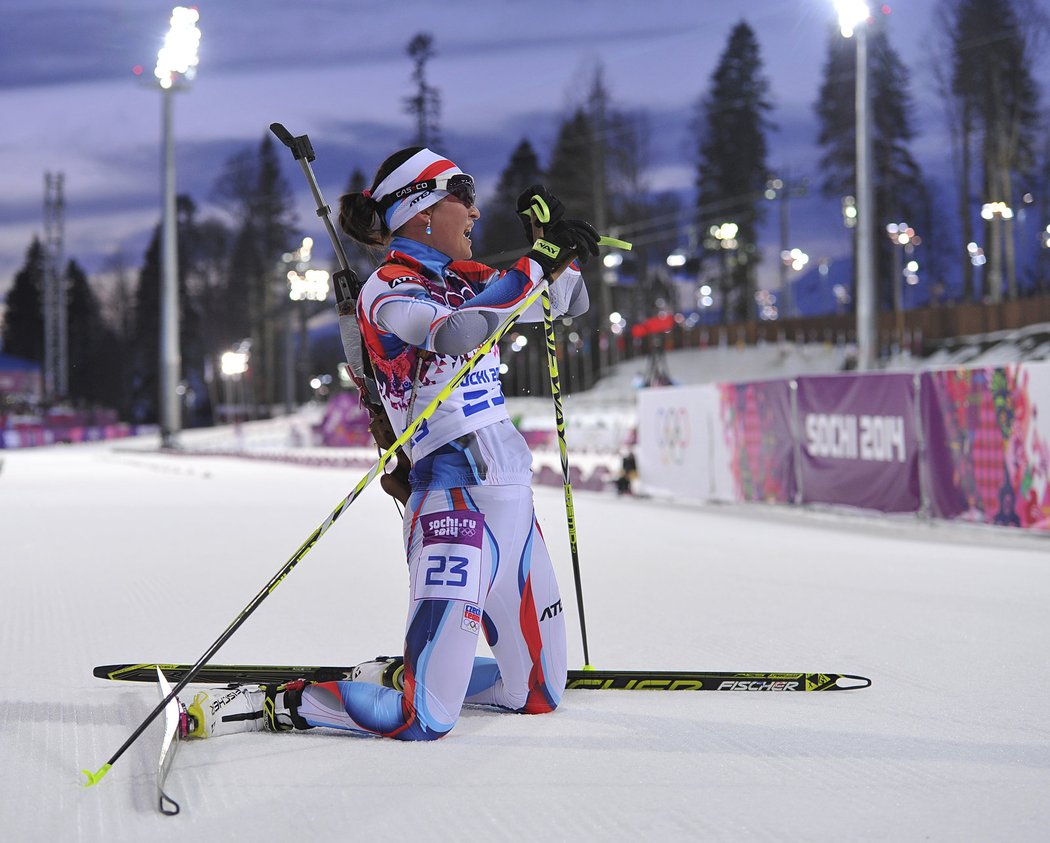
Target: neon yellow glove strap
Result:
[540, 210]
[551, 250]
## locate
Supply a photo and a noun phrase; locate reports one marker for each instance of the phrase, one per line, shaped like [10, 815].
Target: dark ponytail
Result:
[359, 214]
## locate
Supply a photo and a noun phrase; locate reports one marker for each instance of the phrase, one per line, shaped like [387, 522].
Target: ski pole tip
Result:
[94, 778]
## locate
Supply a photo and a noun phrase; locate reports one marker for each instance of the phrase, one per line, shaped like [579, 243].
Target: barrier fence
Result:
[955, 443]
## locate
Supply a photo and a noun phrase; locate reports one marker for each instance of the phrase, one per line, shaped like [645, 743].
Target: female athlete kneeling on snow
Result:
[476, 558]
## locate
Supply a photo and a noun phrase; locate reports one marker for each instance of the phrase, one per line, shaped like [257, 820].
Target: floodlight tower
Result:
[176, 65]
[853, 21]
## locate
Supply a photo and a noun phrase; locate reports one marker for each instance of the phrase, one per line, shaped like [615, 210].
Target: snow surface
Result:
[114, 555]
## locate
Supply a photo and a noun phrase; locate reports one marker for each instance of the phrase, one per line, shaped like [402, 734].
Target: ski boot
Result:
[244, 708]
[387, 671]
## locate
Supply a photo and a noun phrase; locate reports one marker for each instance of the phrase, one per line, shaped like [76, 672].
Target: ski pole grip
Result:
[613, 243]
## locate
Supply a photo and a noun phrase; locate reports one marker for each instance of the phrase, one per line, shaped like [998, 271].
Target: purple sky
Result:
[337, 70]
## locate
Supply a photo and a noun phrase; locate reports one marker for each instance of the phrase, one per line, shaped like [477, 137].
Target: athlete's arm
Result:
[420, 321]
[413, 316]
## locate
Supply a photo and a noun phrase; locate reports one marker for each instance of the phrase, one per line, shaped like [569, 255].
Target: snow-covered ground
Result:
[112, 555]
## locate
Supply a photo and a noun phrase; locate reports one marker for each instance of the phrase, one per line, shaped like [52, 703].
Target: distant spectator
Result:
[628, 473]
[1007, 516]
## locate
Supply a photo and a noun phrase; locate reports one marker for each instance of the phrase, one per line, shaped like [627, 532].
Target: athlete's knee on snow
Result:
[428, 716]
[417, 731]
[538, 700]
[541, 702]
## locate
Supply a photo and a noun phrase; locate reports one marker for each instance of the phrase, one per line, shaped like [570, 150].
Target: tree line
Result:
[229, 273]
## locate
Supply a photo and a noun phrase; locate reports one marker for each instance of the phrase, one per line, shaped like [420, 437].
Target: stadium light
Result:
[853, 16]
[177, 58]
[176, 61]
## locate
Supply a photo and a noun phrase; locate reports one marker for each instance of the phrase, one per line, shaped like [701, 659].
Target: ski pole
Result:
[559, 420]
[286, 569]
[570, 513]
[541, 213]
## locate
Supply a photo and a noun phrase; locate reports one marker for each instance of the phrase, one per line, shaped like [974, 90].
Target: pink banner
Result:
[987, 448]
[345, 423]
[756, 424]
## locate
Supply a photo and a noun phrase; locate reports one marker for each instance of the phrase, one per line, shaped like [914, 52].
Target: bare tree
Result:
[996, 116]
[424, 106]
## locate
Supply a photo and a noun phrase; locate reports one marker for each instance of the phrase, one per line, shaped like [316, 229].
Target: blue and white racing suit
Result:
[476, 558]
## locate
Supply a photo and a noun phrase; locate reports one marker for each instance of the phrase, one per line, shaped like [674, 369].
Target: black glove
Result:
[539, 204]
[563, 241]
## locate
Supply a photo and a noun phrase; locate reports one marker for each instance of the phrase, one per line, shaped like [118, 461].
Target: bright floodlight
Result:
[311, 285]
[996, 209]
[851, 13]
[178, 56]
[234, 363]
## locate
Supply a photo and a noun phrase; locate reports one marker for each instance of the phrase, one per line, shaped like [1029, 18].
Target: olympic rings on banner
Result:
[674, 434]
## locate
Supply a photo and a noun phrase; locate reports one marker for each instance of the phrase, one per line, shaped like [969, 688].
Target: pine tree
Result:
[900, 194]
[204, 251]
[569, 174]
[144, 351]
[573, 176]
[119, 309]
[596, 169]
[501, 230]
[258, 196]
[192, 313]
[502, 239]
[92, 344]
[992, 53]
[733, 122]
[23, 332]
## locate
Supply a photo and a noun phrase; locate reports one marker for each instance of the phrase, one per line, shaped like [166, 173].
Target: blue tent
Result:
[18, 375]
[10, 363]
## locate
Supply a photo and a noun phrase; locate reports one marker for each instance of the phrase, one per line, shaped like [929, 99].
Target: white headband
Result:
[422, 166]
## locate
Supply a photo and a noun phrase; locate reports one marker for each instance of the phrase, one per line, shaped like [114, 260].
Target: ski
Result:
[169, 744]
[583, 680]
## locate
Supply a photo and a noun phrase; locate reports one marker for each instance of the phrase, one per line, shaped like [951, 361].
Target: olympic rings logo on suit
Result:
[673, 434]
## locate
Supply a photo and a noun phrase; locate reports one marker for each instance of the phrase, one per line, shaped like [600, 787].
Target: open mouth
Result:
[467, 232]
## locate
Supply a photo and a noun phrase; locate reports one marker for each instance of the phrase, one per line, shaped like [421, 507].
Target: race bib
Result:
[449, 567]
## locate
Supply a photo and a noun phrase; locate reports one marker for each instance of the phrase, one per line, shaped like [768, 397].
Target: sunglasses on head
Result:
[461, 186]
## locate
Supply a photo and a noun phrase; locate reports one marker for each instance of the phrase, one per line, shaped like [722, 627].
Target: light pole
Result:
[783, 189]
[725, 237]
[853, 17]
[996, 214]
[176, 61]
[234, 364]
[905, 240]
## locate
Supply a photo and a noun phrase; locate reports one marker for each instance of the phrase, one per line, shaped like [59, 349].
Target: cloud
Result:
[46, 46]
